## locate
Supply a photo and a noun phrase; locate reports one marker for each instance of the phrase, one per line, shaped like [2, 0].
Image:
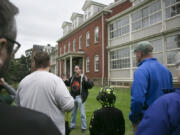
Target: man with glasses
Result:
[17, 120]
[163, 116]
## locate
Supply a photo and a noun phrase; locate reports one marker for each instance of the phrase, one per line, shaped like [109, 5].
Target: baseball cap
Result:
[143, 46]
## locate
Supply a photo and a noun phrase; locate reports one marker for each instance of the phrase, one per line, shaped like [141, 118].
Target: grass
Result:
[122, 102]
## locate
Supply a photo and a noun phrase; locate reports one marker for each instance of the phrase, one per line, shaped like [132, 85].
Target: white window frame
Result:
[60, 51]
[87, 39]
[96, 35]
[149, 15]
[74, 45]
[87, 64]
[80, 42]
[96, 63]
[64, 48]
[69, 46]
[170, 50]
[119, 28]
[169, 6]
[115, 60]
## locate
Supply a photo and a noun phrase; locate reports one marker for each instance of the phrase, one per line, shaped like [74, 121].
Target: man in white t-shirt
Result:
[45, 92]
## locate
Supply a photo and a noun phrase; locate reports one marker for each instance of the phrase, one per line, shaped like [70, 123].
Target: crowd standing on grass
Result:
[42, 98]
[79, 85]
[17, 120]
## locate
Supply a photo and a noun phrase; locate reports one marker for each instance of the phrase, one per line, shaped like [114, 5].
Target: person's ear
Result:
[3, 42]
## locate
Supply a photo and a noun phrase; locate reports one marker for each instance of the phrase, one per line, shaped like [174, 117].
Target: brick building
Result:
[85, 40]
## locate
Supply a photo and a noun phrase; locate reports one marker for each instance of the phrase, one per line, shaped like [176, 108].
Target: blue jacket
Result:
[150, 78]
[162, 117]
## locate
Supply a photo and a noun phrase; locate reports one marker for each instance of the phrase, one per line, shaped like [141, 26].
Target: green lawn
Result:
[122, 102]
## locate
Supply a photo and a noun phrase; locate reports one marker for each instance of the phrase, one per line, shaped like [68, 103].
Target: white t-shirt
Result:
[45, 92]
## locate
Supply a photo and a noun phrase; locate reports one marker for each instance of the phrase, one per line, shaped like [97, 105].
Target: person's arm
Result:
[155, 120]
[94, 125]
[9, 89]
[138, 92]
[88, 82]
[67, 81]
[121, 123]
[63, 98]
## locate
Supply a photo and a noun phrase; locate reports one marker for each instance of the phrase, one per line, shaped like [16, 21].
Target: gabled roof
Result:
[66, 23]
[74, 15]
[90, 2]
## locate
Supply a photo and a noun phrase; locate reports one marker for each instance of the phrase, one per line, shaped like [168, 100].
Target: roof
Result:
[74, 15]
[66, 23]
[90, 2]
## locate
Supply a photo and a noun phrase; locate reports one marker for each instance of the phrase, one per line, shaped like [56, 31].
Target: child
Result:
[108, 120]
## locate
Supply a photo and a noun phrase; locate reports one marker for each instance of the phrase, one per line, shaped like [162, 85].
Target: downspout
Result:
[102, 49]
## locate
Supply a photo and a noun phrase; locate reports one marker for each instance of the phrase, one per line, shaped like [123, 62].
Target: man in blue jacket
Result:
[150, 78]
[163, 117]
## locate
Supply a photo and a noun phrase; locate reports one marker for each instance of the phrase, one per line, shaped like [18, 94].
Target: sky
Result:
[39, 21]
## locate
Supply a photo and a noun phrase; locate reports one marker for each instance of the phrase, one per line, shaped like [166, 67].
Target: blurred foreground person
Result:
[45, 92]
[108, 120]
[150, 78]
[17, 120]
[163, 116]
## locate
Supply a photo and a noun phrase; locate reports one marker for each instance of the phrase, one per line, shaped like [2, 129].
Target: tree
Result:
[18, 69]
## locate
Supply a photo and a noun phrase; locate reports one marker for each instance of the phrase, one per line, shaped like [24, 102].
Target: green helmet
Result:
[106, 97]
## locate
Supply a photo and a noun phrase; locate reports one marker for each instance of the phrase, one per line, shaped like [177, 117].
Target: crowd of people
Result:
[42, 98]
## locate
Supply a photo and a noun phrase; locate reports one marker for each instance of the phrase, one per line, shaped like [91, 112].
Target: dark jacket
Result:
[22, 121]
[162, 117]
[107, 121]
[84, 86]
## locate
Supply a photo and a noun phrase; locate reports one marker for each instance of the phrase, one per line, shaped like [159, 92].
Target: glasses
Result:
[15, 44]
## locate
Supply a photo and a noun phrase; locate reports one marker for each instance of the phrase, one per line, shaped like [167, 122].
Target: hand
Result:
[64, 78]
[86, 79]
[2, 81]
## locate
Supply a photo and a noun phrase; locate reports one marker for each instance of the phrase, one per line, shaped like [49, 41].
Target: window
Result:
[172, 8]
[158, 49]
[172, 47]
[74, 45]
[60, 51]
[147, 16]
[87, 39]
[87, 64]
[64, 49]
[96, 63]
[120, 58]
[69, 47]
[119, 27]
[96, 35]
[80, 42]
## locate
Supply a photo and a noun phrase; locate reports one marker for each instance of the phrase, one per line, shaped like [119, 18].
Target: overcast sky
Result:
[39, 21]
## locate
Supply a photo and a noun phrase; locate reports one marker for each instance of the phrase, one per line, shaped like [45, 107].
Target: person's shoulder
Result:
[26, 78]
[167, 99]
[21, 113]
[53, 77]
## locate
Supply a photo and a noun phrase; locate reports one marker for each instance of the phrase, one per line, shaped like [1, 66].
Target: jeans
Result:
[78, 103]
